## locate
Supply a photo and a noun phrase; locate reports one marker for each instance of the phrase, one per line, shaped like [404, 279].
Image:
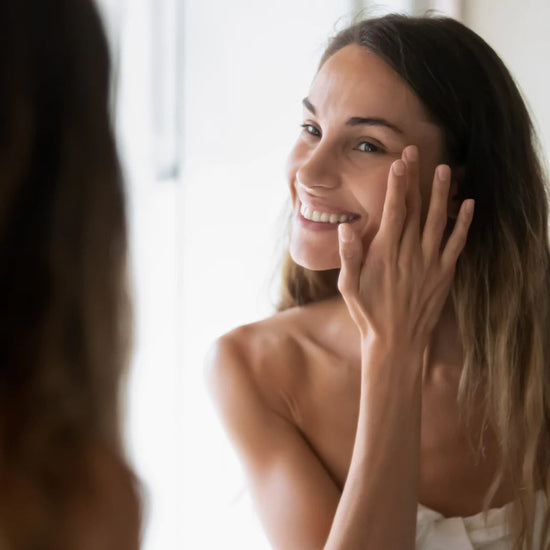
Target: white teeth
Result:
[306, 212]
[322, 217]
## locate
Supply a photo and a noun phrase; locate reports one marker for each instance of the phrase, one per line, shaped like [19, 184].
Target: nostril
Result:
[300, 182]
[320, 177]
[305, 181]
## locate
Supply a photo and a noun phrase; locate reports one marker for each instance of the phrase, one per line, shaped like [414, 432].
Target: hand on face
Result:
[396, 285]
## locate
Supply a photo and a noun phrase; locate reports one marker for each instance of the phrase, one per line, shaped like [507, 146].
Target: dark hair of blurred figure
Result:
[64, 308]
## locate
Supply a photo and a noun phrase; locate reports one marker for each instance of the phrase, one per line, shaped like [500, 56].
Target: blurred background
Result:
[207, 104]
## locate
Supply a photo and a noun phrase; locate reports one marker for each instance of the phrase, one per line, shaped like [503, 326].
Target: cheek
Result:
[293, 164]
[371, 194]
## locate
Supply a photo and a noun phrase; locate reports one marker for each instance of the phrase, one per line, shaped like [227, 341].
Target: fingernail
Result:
[443, 172]
[469, 206]
[345, 232]
[398, 167]
[411, 153]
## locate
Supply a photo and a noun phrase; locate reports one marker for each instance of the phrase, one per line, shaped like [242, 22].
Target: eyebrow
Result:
[359, 121]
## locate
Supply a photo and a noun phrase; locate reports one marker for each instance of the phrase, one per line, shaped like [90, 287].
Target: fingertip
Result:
[345, 233]
[469, 206]
[410, 153]
[443, 172]
[399, 168]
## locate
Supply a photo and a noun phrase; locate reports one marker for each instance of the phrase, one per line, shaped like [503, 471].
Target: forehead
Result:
[356, 82]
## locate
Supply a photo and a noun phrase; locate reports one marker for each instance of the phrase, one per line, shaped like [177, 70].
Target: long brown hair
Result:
[501, 289]
[64, 308]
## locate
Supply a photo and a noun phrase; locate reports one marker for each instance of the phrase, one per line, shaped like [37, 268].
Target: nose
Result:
[319, 170]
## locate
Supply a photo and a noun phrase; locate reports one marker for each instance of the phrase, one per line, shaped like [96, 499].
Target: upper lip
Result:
[320, 206]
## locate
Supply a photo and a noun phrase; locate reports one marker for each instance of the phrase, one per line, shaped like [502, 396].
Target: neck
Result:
[444, 351]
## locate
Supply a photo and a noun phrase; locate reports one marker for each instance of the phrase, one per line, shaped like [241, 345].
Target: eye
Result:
[310, 129]
[367, 147]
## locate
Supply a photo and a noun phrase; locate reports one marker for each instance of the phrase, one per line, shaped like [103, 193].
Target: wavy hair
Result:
[501, 289]
[64, 306]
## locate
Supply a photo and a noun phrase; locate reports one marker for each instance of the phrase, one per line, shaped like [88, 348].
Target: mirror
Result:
[217, 86]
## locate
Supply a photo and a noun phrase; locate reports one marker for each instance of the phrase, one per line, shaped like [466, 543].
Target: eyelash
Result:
[316, 133]
[306, 129]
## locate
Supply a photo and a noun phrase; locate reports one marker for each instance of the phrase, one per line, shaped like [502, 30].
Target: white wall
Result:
[451, 8]
[248, 64]
[520, 34]
[223, 82]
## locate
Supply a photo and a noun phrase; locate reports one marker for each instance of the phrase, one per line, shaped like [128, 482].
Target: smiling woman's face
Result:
[358, 117]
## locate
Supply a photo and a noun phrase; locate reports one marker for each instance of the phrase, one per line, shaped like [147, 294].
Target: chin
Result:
[315, 260]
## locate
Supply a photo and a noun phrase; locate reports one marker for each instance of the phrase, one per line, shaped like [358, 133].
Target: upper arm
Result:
[294, 493]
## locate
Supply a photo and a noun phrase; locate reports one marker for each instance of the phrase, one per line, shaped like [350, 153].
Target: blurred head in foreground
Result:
[64, 310]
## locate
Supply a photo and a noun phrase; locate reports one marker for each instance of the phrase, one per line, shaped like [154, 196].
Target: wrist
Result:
[394, 350]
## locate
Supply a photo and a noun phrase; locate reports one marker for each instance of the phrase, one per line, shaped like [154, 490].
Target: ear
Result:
[454, 201]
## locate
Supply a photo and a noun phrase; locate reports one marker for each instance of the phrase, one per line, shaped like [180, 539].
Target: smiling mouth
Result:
[325, 217]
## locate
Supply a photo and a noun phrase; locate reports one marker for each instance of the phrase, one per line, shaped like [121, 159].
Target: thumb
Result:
[351, 259]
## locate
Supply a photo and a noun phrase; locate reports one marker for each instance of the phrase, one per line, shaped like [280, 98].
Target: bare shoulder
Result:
[268, 357]
[254, 373]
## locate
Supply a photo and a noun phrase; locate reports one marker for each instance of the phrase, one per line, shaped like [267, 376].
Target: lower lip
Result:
[316, 226]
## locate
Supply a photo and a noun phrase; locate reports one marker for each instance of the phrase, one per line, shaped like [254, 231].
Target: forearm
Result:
[377, 508]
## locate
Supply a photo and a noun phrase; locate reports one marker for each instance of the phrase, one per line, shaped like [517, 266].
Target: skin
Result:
[346, 167]
[344, 411]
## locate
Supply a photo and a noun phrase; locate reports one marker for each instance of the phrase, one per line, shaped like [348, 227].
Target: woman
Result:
[404, 385]
[64, 483]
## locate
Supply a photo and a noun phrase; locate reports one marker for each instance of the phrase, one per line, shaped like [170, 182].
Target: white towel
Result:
[436, 532]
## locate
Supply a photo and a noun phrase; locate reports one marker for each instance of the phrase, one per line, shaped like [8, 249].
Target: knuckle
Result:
[460, 237]
[437, 224]
[382, 262]
[347, 252]
[396, 211]
[442, 219]
[404, 262]
[455, 248]
[343, 283]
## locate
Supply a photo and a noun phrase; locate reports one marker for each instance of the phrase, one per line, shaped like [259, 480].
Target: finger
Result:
[394, 212]
[351, 260]
[456, 242]
[411, 232]
[436, 220]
